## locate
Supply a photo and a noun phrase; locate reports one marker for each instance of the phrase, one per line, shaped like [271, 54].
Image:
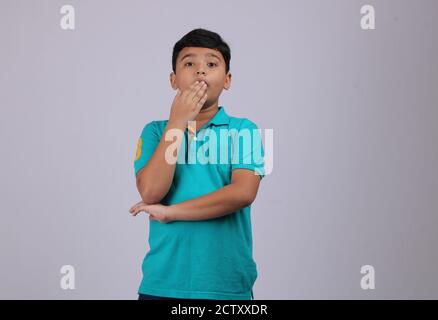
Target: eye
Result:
[188, 63]
[212, 63]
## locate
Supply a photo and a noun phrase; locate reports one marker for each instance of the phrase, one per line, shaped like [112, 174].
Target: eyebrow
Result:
[194, 55]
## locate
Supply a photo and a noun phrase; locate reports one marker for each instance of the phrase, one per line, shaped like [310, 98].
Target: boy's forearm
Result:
[155, 179]
[213, 205]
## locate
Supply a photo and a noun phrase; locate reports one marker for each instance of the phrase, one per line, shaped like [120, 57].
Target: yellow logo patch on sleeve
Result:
[140, 142]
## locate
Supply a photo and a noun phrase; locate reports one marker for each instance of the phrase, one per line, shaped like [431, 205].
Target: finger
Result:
[201, 102]
[141, 203]
[200, 93]
[195, 90]
[136, 212]
[138, 209]
[189, 90]
[135, 205]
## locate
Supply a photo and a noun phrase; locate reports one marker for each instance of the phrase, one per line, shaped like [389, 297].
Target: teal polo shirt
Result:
[204, 259]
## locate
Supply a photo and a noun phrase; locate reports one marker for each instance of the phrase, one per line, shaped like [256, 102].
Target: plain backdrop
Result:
[354, 114]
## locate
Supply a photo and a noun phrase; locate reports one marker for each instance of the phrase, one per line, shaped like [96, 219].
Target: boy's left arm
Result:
[240, 193]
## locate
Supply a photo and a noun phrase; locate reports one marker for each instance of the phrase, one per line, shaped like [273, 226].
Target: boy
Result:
[199, 212]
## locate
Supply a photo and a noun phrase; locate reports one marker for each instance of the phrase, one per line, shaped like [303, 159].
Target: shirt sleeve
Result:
[146, 145]
[247, 149]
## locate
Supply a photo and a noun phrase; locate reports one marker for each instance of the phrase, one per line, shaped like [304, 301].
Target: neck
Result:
[207, 112]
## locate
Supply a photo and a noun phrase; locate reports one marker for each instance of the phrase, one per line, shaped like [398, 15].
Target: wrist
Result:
[171, 212]
[176, 124]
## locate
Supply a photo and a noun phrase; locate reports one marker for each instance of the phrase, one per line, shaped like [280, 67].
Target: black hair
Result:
[205, 39]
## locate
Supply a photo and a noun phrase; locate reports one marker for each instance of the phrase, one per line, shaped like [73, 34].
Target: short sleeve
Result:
[247, 149]
[147, 142]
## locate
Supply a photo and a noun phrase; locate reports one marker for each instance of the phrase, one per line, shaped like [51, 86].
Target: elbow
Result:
[150, 197]
[248, 202]
[243, 195]
[148, 193]
[247, 199]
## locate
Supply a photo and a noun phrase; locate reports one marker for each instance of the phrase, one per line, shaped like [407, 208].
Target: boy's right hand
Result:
[187, 104]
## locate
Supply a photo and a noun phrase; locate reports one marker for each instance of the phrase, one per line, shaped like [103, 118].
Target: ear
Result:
[173, 81]
[227, 83]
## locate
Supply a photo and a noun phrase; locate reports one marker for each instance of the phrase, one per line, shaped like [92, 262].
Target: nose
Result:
[200, 72]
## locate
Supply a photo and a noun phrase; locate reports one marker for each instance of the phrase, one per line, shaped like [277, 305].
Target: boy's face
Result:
[205, 64]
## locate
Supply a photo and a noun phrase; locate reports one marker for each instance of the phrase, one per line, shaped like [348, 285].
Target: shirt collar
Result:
[220, 117]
